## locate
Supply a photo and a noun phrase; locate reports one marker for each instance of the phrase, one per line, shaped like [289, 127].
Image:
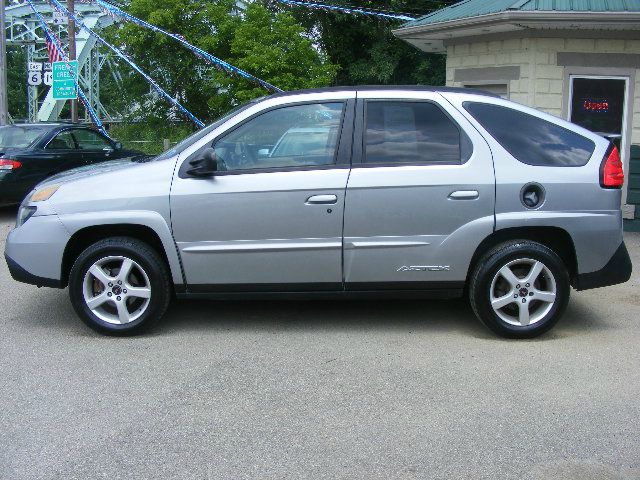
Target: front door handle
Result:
[464, 195]
[322, 200]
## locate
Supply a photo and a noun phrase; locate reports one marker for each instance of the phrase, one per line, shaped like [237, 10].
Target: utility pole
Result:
[4, 101]
[71, 33]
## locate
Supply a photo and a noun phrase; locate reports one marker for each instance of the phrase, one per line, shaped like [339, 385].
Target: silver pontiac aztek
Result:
[342, 192]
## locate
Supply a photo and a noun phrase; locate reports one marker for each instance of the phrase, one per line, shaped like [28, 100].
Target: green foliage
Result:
[17, 82]
[364, 47]
[149, 138]
[271, 47]
[290, 47]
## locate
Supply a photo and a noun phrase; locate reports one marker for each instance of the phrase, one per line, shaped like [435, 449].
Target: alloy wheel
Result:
[523, 292]
[117, 290]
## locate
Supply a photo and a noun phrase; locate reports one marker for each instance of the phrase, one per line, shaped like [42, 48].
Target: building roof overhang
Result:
[434, 37]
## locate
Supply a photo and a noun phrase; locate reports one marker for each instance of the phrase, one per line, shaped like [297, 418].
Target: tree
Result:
[17, 82]
[364, 47]
[274, 47]
[271, 47]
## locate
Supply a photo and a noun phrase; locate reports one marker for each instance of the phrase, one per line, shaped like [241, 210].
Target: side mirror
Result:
[205, 166]
[118, 145]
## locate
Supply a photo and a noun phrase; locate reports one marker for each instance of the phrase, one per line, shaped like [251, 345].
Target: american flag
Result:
[54, 54]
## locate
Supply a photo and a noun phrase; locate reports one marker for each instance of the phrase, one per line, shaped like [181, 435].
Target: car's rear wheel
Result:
[119, 286]
[520, 289]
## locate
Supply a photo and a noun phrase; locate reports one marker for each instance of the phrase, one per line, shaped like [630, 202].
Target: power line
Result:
[362, 11]
[406, 10]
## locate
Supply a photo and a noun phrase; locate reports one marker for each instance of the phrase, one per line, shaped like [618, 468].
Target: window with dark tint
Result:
[530, 139]
[413, 132]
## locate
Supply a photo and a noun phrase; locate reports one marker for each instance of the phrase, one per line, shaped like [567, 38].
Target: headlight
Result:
[44, 194]
[25, 213]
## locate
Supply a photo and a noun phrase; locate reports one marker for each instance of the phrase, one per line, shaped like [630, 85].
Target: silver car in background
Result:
[389, 192]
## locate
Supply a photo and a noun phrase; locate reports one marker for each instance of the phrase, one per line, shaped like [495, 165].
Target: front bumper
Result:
[34, 251]
[617, 270]
[21, 275]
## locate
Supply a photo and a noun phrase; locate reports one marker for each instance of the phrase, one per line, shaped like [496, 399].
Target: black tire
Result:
[148, 260]
[481, 286]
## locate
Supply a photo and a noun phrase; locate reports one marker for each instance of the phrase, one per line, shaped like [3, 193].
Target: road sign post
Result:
[64, 87]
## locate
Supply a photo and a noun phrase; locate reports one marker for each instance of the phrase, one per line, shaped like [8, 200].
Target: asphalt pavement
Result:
[319, 390]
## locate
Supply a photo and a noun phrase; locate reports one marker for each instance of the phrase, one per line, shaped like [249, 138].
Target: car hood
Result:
[88, 171]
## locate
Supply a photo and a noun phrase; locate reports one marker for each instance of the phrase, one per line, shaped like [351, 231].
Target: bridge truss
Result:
[23, 29]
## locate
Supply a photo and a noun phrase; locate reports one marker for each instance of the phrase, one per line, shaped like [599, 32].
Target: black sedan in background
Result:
[29, 153]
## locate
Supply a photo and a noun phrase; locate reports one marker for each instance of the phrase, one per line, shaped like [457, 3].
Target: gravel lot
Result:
[314, 390]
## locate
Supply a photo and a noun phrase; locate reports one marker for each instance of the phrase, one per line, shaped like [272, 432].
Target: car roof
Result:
[398, 88]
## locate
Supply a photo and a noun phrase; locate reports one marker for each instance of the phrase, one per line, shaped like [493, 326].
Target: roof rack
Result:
[413, 88]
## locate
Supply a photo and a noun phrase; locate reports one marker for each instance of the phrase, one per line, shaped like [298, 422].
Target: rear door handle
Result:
[322, 200]
[464, 195]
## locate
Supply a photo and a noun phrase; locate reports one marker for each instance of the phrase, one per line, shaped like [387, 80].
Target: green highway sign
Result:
[64, 90]
[61, 72]
[63, 85]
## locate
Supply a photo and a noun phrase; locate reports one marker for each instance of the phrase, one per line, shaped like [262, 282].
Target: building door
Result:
[599, 104]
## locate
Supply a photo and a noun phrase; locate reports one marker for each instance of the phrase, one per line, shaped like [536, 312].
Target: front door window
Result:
[287, 137]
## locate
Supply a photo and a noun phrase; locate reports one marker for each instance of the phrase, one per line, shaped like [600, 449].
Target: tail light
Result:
[611, 173]
[6, 164]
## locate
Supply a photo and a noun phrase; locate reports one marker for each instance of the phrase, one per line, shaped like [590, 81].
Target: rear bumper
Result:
[617, 270]
[21, 275]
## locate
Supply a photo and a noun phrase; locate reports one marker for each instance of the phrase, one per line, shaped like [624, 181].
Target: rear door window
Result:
[532, 140]
[413, 132]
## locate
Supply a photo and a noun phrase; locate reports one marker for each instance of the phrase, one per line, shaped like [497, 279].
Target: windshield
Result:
[187, 142]
[16, 136]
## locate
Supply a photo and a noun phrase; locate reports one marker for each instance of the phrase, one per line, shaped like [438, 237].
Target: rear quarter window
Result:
[532, 140]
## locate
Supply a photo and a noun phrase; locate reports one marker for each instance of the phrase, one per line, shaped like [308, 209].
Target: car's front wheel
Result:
[119, 286]
[520, 289]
